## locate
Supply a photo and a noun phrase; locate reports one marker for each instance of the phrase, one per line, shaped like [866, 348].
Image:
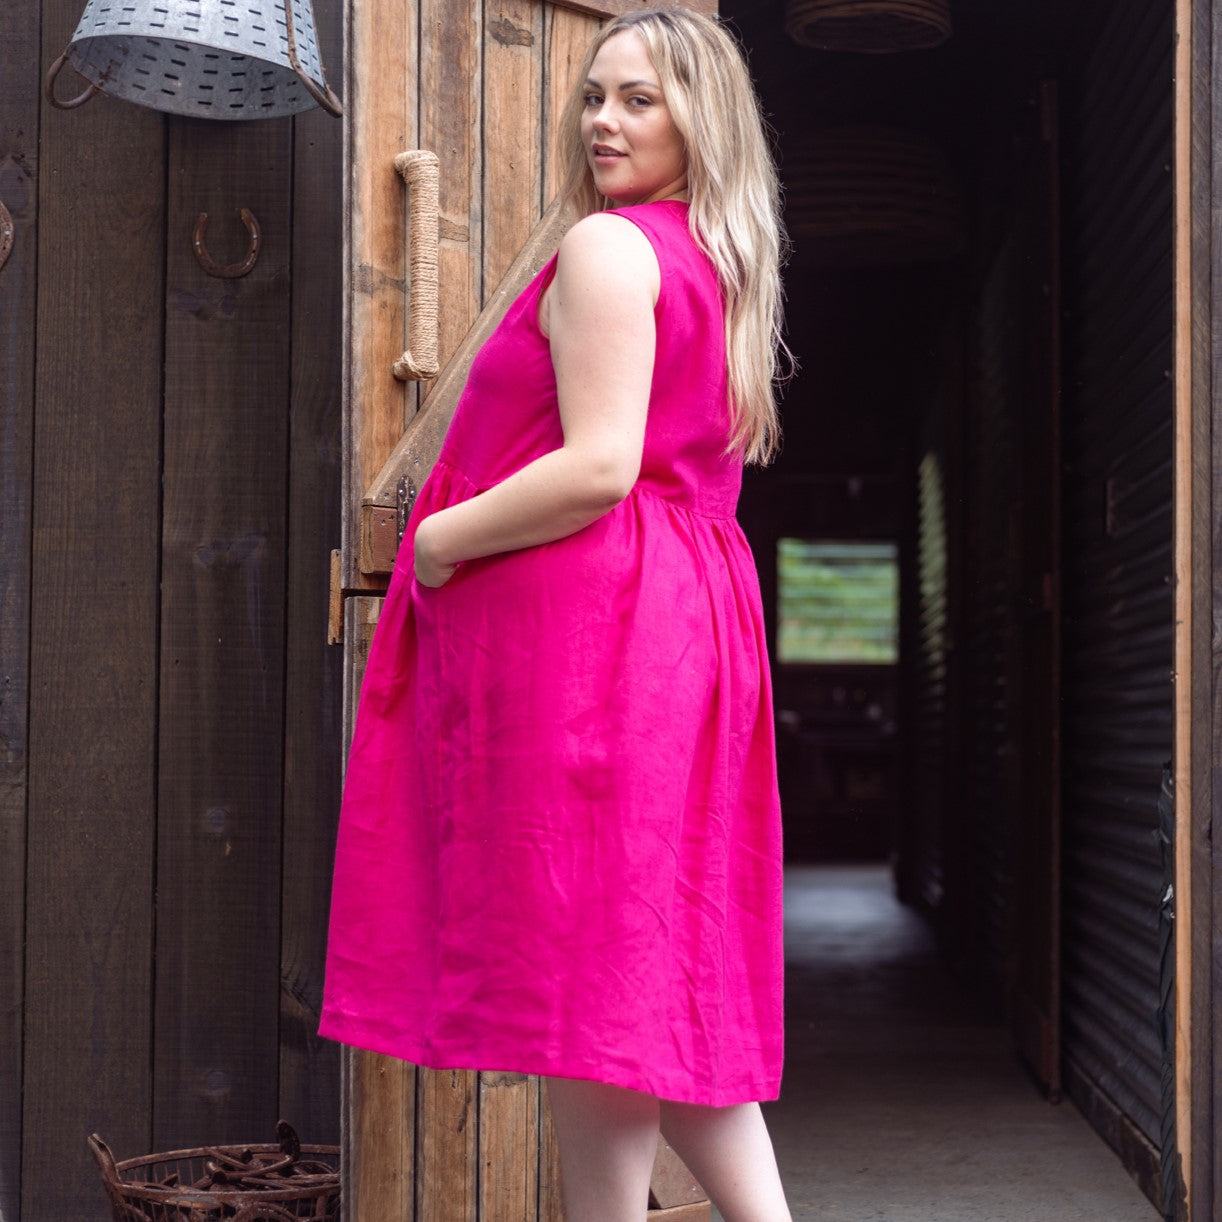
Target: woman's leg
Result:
[729, 1151]
[608, 1138]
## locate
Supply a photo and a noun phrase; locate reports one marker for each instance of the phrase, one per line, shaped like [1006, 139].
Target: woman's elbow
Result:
[610, 478]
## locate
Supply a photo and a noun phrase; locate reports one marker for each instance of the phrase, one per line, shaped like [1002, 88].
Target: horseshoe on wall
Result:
[227, 271]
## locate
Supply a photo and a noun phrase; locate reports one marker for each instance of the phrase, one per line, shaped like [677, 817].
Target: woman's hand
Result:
[431, 569]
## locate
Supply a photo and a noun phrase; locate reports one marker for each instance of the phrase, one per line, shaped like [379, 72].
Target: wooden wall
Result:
[170, 711]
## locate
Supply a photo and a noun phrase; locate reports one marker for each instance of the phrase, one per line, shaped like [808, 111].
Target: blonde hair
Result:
[734, 214]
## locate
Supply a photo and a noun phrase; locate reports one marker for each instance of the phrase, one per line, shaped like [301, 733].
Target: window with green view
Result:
[837, 602]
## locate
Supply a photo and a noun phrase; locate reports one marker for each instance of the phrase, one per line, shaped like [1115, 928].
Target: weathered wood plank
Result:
[450, 118]
[508, 1147]
[701, 1211]
[672, 1183]
[1198, 493]
[313, 730]
[513, 119]
[220, 751]
[551, 1199]
[445, 1145]
[381, 76]
[93, 650]
[568, 34]
[381, 1109]
[19, 195]
[615, 8]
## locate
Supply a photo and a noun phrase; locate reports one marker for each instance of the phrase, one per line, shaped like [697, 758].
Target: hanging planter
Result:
[871, 26]
[872, 195]
[211, 59]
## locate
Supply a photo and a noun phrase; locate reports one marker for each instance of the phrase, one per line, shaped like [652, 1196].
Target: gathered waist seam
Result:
[637, 488]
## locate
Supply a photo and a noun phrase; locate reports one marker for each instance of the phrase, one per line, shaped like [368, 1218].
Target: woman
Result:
[560, 844]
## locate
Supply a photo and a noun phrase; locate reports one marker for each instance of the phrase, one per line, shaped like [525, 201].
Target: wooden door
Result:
[480, 84]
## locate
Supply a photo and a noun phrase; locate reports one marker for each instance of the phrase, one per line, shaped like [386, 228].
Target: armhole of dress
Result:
[547, 273]
[655, 244]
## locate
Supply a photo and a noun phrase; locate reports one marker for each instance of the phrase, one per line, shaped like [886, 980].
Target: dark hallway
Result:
[902, 1100]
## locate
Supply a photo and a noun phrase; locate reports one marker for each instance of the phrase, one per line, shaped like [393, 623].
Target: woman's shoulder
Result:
[609, 246]
[610, 231]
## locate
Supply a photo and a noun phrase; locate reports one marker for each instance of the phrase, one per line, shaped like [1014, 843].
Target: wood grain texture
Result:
[672, 1183]
[445, 1145]
[566, 37]
[508, 1147]
[313, 705]
[551, 1199]
[220, 753]
[381, 73]
[1198, 490]
[615, 8]
[19, 53]
[93, 650]
[513, 120]
[451, 114]
[699, 1212]
[381, 1125]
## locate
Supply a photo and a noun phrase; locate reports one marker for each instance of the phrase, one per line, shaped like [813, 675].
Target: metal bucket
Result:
[211, 59]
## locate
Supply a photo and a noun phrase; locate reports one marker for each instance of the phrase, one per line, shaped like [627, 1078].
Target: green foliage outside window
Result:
[837, 602]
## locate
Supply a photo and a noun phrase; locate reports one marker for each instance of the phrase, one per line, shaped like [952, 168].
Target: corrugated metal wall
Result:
[1114, 533]
[1117, 236]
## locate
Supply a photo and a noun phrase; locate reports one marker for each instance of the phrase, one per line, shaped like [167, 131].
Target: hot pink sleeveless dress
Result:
[559, 850]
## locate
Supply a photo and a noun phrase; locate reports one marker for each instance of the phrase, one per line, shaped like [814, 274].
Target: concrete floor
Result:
[901, 1101]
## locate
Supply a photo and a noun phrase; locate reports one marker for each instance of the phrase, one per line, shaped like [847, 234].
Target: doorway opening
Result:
[980, 300]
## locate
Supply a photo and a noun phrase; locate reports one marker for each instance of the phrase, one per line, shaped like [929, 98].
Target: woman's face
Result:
[634, 151]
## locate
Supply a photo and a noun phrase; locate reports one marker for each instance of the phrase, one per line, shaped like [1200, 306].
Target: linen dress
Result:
[559, 847]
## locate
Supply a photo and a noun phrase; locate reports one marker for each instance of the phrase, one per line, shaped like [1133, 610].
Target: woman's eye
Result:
[641, 103]
[592, 99]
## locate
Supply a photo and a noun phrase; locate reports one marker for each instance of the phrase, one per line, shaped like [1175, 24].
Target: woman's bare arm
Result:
[601, 328]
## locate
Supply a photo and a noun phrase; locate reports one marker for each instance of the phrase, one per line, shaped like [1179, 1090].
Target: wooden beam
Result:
[93, 651]
[381, 74]
[19, 98]
[221, 679]
[701, 1211]
[616, 8]
[1196, 189]
[313, 704]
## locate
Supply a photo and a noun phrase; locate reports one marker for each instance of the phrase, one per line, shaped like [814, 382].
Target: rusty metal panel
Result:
[1118, 534]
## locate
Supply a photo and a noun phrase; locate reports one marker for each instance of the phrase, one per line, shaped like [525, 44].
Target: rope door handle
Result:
[420, 173]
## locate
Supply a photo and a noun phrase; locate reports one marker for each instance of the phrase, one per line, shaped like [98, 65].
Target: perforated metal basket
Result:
[214, 59]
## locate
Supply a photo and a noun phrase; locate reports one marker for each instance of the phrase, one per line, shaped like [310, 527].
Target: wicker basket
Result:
[259, 1183]
[866, 194]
